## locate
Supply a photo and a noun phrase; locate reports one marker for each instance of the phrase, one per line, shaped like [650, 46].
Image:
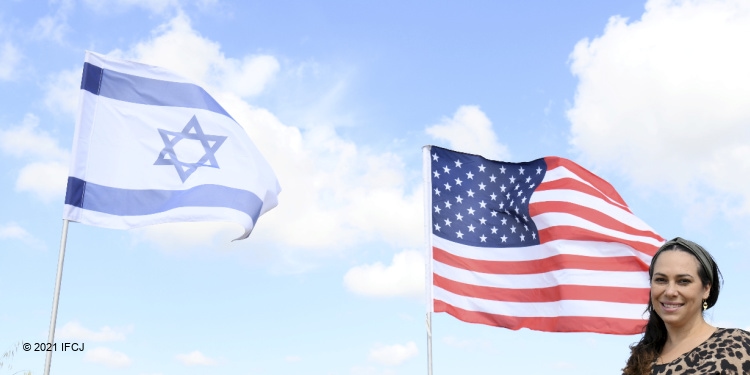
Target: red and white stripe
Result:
[589, 274]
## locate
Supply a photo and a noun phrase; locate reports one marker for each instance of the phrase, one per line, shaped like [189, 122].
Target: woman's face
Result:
[677, 292]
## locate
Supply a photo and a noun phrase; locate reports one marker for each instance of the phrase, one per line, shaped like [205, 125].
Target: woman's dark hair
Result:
[645, 352]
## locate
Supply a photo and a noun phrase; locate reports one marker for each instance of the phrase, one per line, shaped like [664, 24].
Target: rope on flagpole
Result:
[56, 298]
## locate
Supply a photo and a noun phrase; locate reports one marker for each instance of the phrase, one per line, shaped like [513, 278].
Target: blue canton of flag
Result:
[481, 202]
[152, 147]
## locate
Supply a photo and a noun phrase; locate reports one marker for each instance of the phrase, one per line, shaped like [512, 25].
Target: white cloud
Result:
[55, 26]
[51, 27]
[392, 355]
[10, 57]
[178, 47]
[27, 140]
[153, 6]
[206, 3]
[107, 357]
[469, 130]
[250, 76]
[75, 331]
[403, 277]
[177, 236]
[62, 91]
[46, 176]
[664, 100]
[46, 180]
[292, 358]
[195, 358]
[334, 193]
[13, 231]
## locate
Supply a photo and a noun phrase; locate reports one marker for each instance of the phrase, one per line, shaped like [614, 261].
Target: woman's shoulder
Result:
[730, 349]
[727, 351]
[732, 334]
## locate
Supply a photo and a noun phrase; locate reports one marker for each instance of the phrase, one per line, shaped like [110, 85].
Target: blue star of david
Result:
[192, 131]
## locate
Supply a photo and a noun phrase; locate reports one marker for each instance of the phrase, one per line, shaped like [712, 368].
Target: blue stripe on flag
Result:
[142, 90]
[91, 79]
[126, 202]
[74, 192]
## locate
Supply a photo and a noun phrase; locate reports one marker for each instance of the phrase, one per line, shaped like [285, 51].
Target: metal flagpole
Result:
[427, 176]
[429, 343]
[56, 298]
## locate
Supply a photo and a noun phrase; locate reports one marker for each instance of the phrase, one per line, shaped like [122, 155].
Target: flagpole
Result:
[56, 298]
[426, 174]
[429, 343]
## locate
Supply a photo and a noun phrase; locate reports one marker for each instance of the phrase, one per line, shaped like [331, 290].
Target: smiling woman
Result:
[685, 281]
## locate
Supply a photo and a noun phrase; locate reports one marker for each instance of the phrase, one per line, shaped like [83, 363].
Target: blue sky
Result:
[340, 97]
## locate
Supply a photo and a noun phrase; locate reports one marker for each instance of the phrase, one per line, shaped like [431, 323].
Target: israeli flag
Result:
[151, 147]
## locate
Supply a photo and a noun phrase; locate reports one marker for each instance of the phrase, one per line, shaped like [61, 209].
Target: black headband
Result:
[700, 253]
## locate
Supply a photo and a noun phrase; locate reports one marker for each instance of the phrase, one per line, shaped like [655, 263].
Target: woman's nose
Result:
[671, 290]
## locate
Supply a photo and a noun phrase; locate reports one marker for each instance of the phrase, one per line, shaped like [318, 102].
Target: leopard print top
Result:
[726, 352]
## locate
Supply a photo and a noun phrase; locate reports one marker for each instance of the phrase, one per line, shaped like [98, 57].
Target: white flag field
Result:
[152, 147]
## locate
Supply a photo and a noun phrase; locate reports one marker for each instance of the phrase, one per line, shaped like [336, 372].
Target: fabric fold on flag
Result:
[152, 147]
[544, 245]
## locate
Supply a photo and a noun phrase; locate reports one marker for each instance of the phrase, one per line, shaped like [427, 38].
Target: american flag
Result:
[545, 245]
